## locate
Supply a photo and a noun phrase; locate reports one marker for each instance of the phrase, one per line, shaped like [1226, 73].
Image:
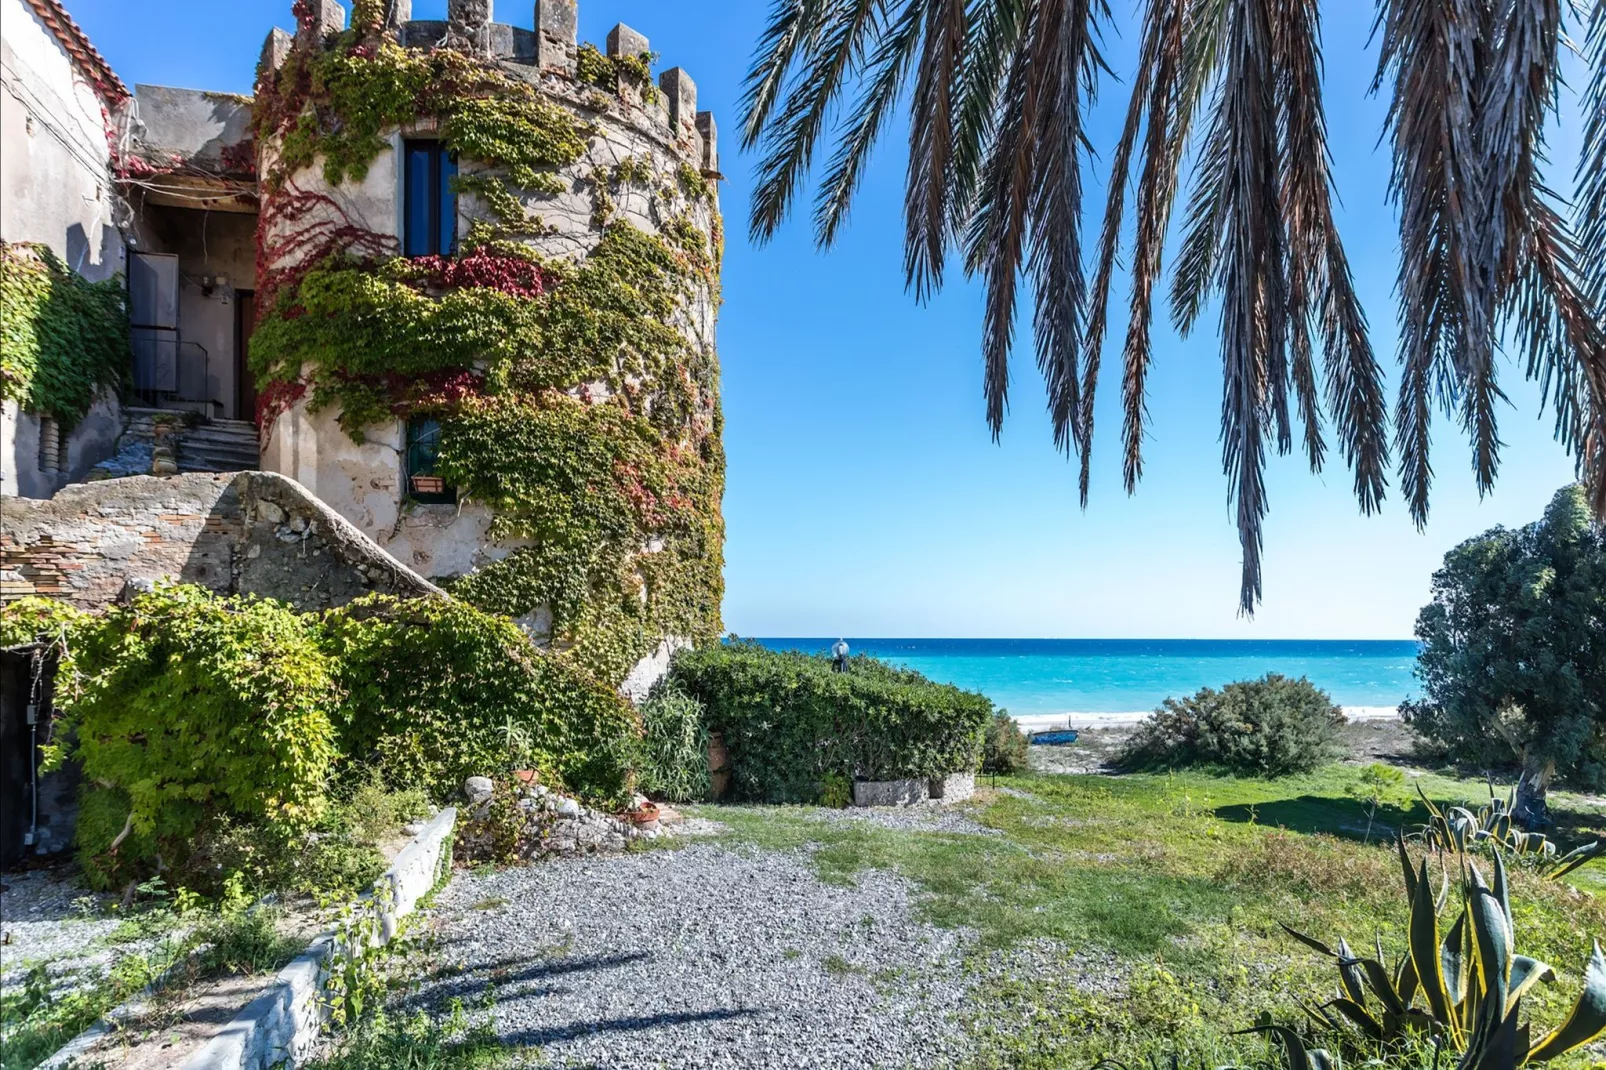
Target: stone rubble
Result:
[546, 823]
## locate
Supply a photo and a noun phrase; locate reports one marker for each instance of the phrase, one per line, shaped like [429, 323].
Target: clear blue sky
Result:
[865, 495]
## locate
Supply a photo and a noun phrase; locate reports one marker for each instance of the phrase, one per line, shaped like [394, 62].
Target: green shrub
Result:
[1271, 727]
[246, 942]
[337, 859]
[789, 721]
[438, 691]
[673, 762]
[189, 708]
[1004, 747]
[33, 619]
[836, 791]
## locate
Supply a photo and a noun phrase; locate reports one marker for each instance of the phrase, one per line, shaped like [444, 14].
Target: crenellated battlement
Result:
[550, 46]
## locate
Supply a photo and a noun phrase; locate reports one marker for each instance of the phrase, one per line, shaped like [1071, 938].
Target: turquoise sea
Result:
[1035, 678]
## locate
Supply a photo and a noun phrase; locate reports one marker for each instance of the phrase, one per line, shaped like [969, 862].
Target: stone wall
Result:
[23, 448]
[246, 532]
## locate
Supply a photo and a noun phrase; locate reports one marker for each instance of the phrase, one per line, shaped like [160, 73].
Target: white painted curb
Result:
[281, 1026]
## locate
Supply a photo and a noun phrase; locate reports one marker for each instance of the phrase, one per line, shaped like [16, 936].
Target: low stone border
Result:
[952, 788]
[889, 792]
[281, 1026]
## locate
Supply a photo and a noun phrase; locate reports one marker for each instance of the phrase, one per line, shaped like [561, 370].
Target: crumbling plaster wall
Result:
[55, 175]
[362, 481]
[245, 532]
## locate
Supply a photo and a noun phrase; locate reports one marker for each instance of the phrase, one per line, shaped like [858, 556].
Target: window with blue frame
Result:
[423, 447]
[429, 211]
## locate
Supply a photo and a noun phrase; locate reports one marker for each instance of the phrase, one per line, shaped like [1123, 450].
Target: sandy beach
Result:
[1055, 721]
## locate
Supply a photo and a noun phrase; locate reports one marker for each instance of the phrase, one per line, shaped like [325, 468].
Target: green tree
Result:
[1513, 659]
[1229, 92]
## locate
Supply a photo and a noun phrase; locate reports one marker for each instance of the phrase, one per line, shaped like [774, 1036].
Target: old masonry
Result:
[434, 308]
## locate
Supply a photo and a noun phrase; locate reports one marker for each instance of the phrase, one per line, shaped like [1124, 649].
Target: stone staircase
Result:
[207, 446]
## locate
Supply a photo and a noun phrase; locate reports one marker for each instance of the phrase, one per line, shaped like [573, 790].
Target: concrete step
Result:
[220, 455]
[202, 436]
[211, 446]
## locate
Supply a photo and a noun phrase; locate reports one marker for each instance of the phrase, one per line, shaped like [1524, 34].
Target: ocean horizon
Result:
[1041, 680]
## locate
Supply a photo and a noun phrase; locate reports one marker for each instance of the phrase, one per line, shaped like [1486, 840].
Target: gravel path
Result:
[703, 957]
[42, 923]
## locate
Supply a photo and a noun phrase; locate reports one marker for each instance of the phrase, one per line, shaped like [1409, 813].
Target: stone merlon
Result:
[623, 41]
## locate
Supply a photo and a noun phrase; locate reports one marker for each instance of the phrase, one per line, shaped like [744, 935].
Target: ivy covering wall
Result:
[571, 397]
[62, 338]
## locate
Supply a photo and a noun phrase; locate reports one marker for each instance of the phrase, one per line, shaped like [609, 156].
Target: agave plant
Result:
[1459, 988]
[1458, 829]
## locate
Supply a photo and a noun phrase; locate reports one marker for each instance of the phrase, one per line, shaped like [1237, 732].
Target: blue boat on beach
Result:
[1056, 739]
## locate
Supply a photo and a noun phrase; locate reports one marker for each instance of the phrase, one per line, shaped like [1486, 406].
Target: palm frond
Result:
[1590, 208]
[1153, 107]
[931, 141]
[792, 24]
[995, 31]
[1565, 339]
[1431, 50]
[998, 235]
[895, 48]
[1109, 247]
[1068, 64]
[832, 58]
[1241, 157]
[1321, 288]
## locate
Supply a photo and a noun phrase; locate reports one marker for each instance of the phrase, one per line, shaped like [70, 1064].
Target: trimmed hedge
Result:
[791, 723]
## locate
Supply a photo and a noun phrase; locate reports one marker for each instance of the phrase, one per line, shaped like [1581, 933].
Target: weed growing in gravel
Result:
[490, 902]
[37, 1019]
[382, 1042]
[839, 967]
[197, 943]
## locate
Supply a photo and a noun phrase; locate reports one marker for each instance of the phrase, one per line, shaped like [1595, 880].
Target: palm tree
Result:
[1229, 91]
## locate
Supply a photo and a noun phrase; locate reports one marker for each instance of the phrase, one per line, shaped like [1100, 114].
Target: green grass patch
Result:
[1175, 886]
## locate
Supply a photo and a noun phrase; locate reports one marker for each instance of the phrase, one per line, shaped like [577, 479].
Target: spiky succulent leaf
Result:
[1587, 1020]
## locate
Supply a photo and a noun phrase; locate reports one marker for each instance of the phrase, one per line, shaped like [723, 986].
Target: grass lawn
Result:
[1173, 888]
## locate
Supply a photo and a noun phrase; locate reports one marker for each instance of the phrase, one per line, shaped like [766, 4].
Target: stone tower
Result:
[488, 276]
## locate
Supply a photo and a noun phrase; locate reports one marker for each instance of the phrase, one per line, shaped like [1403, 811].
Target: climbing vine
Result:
[609, 72]
[62, 338]
[576, 400]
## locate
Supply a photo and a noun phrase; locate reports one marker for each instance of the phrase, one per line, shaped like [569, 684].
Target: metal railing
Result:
[169, 371]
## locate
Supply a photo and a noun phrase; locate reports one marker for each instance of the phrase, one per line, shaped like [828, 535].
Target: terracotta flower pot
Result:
[718, 764]
[527, 776]
[428, 485]
[646, 815]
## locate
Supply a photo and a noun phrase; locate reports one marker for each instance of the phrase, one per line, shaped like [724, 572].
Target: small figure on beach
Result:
[839, 655]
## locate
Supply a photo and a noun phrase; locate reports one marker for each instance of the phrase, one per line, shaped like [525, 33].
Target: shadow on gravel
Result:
[504, 973]
[541, 1037]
